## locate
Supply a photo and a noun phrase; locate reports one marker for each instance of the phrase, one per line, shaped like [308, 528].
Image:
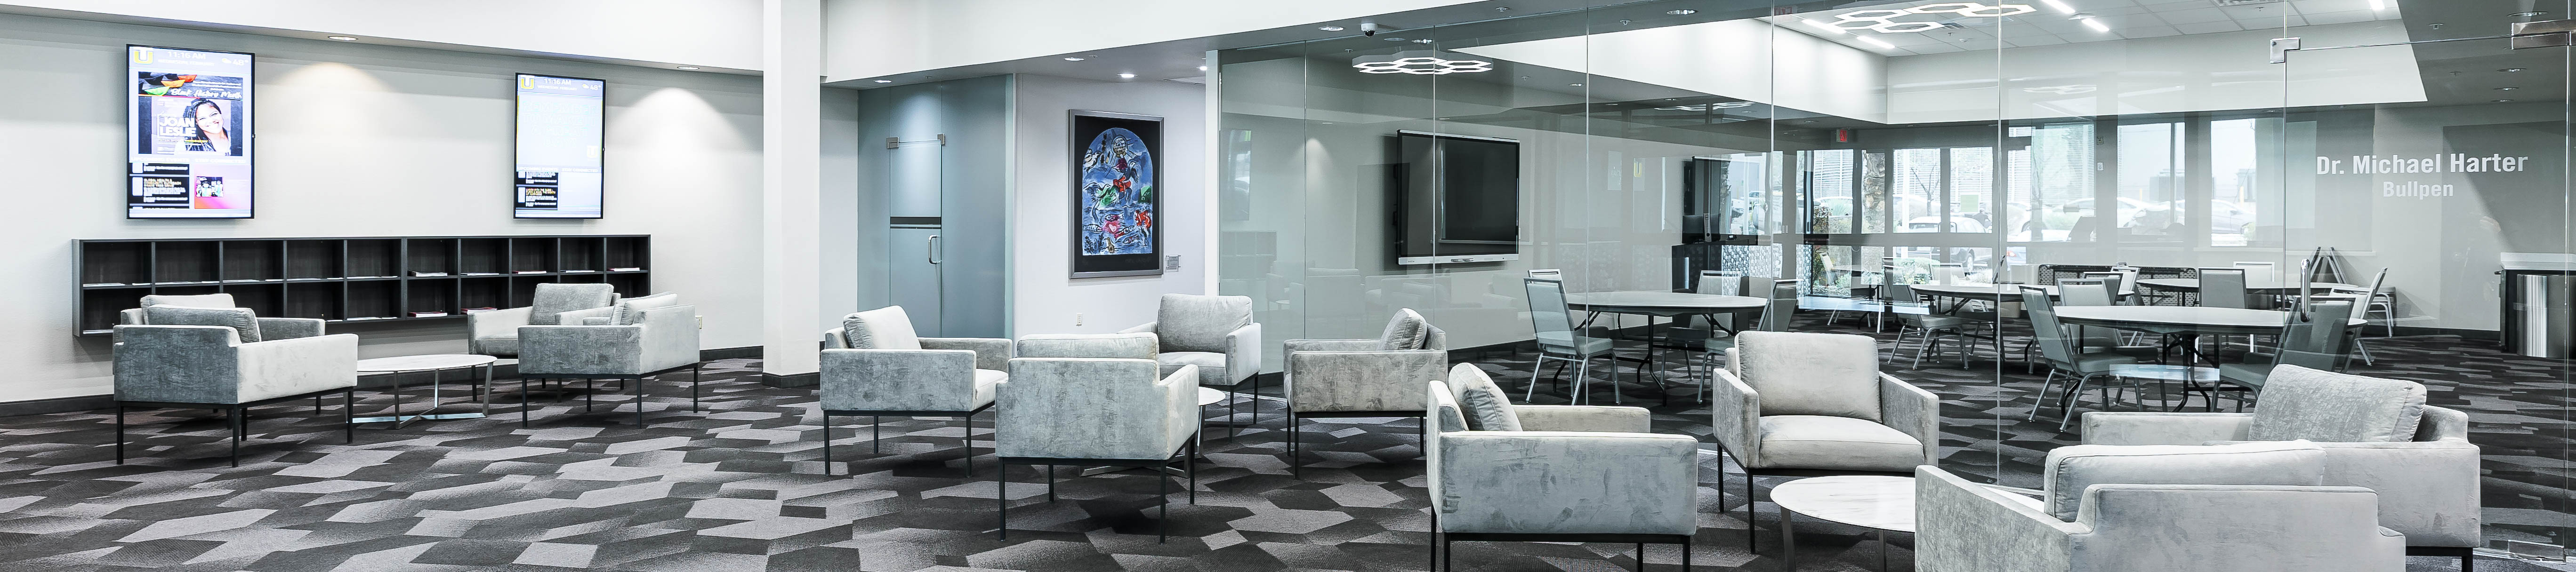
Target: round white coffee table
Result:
[1210, 397]
[434, 364]
[1878, 502]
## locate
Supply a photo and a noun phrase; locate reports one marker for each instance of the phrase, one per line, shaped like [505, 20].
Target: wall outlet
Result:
[1077, 318]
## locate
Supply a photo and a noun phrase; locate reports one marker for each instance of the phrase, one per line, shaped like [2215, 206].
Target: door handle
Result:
[930, 249]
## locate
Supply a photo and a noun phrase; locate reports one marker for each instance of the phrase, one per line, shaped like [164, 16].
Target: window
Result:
[2060, 181]
[1829, 191]
[2235, 179]
[2151, 176]
[1916, 191]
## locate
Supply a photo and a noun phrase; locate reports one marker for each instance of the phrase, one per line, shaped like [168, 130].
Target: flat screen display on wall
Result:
[562, 123]
[188, 137]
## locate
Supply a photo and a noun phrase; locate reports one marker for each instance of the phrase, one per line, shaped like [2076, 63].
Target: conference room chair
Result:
[1797, 404]
[1368, 377]
[2253, 506]
[1558, 341]
[496, 332]
[876, 365]
[2376, 433]
[2120, 282]
[1915, 316]
[2062, 351]
[228, 359]
[2374, 300]
[1500, 472]
[1215, 333]
[632, 341]
[1091, 400]
[2313, 339]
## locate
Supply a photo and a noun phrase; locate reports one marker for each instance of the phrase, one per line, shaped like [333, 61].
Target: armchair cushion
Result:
[192, 301]
[1593, 418]
[553, 299]
[600, 316]
[1120, 346]
[1835, 443]
[289, 328]
[630, 311]
[2072, 469]
[1406, 331]
[2160, 428]
[1810, 374]
[2302, 403]
[244, 323]
[1194, 323]
[1481, 401]
[886, 328]
[1212, 370]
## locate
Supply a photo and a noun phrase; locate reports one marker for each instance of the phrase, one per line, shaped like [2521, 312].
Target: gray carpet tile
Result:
[741, 485]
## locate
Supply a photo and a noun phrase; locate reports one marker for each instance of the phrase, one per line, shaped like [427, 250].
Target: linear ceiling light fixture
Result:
[1418, 62]
[1884, 21]
[2093, 22]
[2060, 5]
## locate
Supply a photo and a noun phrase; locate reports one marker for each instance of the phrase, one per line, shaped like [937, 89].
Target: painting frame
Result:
[1116, 194]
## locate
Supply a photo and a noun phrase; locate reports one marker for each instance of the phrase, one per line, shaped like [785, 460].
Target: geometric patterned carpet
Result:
[741, 486]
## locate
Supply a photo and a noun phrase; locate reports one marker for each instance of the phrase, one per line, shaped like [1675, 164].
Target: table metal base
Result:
[482, 393]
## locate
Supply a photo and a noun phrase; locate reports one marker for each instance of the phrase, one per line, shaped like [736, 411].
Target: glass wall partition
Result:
[1963, 152]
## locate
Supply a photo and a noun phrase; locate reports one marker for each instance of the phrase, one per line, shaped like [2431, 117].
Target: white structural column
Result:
[791, 195]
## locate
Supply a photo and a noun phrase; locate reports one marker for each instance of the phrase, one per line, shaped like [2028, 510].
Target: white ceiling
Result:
[2128, 19]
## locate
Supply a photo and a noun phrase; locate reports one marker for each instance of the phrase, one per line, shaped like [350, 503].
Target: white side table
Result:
[1877, 502]
[435, 364]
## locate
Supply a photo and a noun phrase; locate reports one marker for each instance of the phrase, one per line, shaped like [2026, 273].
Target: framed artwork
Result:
[1116, 231]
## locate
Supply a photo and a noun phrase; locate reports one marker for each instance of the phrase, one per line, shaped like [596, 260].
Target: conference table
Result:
[2185, 322]
[1664, 304]
[2273, 287]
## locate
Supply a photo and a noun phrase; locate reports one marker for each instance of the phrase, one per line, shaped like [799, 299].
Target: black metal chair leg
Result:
[827, 444]
[1191, 464]
[1162, 503]
[1434, 545]
[970, 445]
[1641, 557]
[639, 403]
[1296, 462]
[120, 434]
[1002, 503]
[234, 418]
[1050, 483]
[876, 440]
[349, 414]
[589, 395]
[694, 372]
[523, 402]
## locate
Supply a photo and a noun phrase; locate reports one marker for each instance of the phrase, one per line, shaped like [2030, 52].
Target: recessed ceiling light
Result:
[1574, 85]
[2510, 70]
[2507, 88]
[1682, 12]
[1418, 62]
[2503, 101]
[342, 38]
[1331, 28]
[885, 81]
[1202, 68]
[1423, 41]
[2524, 14]
[689, 67]
[1396, 38]
[1072, 59]
[1502, 8]
[1126, 76]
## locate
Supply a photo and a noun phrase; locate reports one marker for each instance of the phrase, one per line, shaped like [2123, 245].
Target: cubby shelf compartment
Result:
[351, 279]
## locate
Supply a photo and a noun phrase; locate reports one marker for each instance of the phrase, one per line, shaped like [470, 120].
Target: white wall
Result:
[719, 33]
[869, 38]
[358, 140]
[1043, 299]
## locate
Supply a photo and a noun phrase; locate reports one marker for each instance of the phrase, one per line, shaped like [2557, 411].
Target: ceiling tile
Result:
[2194, 16]
[2044, 40]
[2148, 31]
[2317, 6]
[2345, 17]
[2208, 27]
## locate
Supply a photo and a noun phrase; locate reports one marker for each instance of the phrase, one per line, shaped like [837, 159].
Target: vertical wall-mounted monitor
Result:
[188, 134]
[562, 123]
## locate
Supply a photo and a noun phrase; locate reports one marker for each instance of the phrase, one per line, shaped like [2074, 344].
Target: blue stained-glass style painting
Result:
[1117, 186]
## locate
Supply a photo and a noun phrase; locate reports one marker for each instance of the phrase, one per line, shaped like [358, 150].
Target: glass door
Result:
[2444, 160]
[913, 227]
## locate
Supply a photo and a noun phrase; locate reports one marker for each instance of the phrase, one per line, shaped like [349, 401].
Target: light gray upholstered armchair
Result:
[874, 365]
[1793, 404]
[2376, 434]
[1095, 400]
[1375, 377]
[496, 332]
[228, 359]
[1215, 333]
[2158, 509]
[634, 340]
[1558, 473]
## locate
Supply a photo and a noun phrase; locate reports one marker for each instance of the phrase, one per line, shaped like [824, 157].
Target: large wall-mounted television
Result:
[1457, 199]
[562, 125]
[188, 135]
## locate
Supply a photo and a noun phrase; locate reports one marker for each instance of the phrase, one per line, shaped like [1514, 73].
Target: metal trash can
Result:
[2545, 315]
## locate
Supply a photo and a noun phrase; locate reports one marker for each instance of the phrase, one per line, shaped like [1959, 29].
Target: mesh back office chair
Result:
[2311, 339]
[2064, 355]
[2374, 299]
[1557, 339]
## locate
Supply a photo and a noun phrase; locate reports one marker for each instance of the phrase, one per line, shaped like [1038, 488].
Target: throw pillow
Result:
[554, 299]
[886, 328]
[2071, 469]
[1483, 403]
[241, 320]
[2302, 403]
[196, 301]
[1406, 331]
[630, 311]
[1193, 323]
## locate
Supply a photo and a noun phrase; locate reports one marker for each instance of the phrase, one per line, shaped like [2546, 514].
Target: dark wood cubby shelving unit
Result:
[356, 279]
